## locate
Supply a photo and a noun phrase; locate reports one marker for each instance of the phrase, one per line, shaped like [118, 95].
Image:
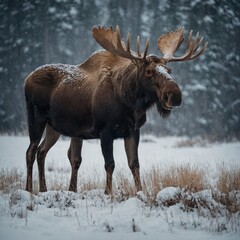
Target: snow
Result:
[202, 120]
[162, 152]
[92, 215]
[163, 71]
[196, 87]
[52, 10]
[152, 151]
[64, 68]
[168, 193]
[208, 19]
[73, 11]
[71, 72]
[66, 26]
[64, 215]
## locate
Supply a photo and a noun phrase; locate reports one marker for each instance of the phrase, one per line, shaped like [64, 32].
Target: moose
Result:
[106, 97]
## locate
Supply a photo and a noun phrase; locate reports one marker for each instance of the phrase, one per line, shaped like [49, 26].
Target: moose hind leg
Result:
[75, 158]
[36, 127]
[107, 150]
[131, 148]
[30, 158]
[50, 139]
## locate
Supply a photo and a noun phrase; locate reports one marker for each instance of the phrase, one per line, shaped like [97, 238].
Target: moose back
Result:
[105, 97]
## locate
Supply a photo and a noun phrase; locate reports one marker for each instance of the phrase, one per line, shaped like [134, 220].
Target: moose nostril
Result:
[172, 99]
[177, 100]
[166, 97]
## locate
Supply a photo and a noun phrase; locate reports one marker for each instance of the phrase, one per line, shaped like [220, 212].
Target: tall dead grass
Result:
[228, 187]
[191, 179]
[228, 180]
[10, 178]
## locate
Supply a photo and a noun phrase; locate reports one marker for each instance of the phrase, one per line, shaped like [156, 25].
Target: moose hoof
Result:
[107, 192]
[43, 189]
[72, 190]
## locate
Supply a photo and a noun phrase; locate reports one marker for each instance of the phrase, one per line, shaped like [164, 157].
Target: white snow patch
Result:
[66, 26]
[71, 72]
[196, 87]
[168, 194]
[63, 215]
[202, 121]
[142, 196]
[52, 10]
[163, 71]
[208, 19]
[73, 11]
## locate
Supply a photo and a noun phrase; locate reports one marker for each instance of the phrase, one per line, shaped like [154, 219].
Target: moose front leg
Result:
[107, 150]
[131, 148]
[75, 158]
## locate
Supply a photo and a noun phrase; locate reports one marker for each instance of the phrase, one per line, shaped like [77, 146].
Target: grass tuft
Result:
[228, 180]
[12, 178]
[185, 177]
[190, 179]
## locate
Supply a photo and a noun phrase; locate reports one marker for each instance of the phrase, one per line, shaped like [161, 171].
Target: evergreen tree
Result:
[36, 32]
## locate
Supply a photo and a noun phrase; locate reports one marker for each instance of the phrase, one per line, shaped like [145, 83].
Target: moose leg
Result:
[131, 148]
[30, 158]
[50, 139]
[75, 158]
[107, 150]
[36, 125]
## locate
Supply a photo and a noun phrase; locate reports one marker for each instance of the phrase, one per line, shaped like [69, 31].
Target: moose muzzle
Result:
[171, 96]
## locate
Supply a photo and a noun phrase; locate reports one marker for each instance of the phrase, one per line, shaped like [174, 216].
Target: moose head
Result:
[152, 70]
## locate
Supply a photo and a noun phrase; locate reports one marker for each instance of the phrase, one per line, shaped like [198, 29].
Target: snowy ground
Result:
[65, 215]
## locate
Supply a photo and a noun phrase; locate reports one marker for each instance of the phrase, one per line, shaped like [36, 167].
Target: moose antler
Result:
[169, 43]
[111, 41]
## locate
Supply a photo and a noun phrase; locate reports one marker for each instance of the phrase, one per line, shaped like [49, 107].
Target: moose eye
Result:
[148, 72]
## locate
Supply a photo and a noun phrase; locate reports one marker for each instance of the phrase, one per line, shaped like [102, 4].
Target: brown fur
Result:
[105, 92]
[105, 97]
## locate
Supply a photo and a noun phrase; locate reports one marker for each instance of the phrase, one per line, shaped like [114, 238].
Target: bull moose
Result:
[106, 97]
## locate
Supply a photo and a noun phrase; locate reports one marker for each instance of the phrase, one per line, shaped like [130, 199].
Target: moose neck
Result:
[125, 82]
[130, 88]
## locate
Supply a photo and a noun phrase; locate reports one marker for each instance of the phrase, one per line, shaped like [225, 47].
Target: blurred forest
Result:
[36, 32]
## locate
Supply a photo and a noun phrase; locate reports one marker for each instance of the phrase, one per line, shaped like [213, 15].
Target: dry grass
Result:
[185, 177]
[11, 179]
[228, 180]
[90, 184]
[191, 179]
[228, 186]
[191, 142]
[123, 186]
